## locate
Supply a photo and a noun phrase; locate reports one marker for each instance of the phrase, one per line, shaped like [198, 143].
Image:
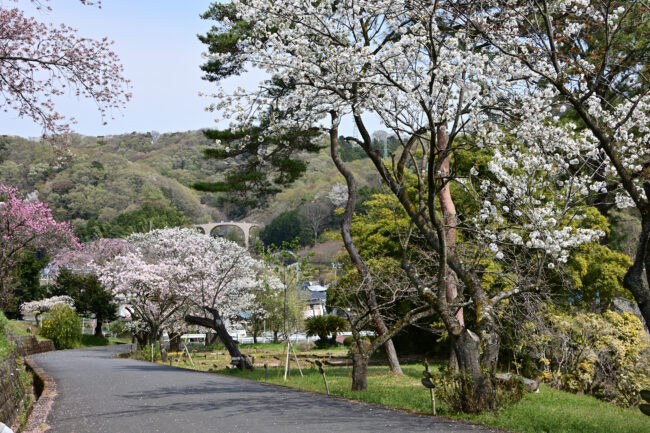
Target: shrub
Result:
[349, 340]
[365, 347]
[457, 390]
[63, 327]
[117, 327]
[6, 346]
[605, 355]
[305, 346]
[144, 354]
[323, 326]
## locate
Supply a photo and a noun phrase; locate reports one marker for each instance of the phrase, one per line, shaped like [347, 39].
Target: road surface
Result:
[98, 393]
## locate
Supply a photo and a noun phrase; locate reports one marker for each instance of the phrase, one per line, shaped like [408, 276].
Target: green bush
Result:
[6, 346]
[605, 355]
[145, 353]
[323, 326]
[117, 327]
[349, 340]
[365, 347]
[63, 327]
[3, 323]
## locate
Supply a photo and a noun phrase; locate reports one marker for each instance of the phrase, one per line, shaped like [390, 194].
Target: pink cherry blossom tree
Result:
[26, 225]
[88, 254]
[39, 62]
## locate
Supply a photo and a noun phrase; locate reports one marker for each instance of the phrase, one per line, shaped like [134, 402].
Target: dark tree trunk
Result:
[362, 268]
[359, 372]
[633, 280]
[254, 337]
[275, 337]
[98, 329]
[491, 345]
[142, 340]
[479, 391]
[220, 328]
[175, 342]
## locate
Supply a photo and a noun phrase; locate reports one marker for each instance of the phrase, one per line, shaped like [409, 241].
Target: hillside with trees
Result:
[116, 185]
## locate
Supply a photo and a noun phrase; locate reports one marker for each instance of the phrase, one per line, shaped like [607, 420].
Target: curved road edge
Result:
[43, 382]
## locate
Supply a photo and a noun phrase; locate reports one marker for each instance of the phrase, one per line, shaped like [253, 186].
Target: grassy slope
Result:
[553, 411]
[21, 329]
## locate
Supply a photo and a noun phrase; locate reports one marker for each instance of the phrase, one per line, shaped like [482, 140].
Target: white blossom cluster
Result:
[338, 194]
[625, 123]
[46, 304]
[389, 57]
[169, 272]
[540, 182]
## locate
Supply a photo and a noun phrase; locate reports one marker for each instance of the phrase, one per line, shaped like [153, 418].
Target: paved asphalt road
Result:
[98, 393]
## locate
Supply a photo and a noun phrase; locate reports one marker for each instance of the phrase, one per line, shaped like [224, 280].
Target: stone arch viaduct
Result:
[245, 227]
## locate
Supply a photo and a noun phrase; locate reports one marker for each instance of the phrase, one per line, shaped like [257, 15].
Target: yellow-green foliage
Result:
[595, 270]
[606, 355]
[378, 232]
[63, 327]
[5, 345]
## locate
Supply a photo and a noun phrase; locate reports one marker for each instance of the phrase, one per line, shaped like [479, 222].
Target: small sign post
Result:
[426, 381]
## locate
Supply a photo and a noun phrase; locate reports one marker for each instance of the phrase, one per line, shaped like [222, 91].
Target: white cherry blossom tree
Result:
[173, 274]
[440, 94]
[591, 59]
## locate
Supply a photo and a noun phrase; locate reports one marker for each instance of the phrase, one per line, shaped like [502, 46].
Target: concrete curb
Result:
[44, 384]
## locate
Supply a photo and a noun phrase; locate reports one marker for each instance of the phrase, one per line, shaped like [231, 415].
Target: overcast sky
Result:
[157, 43]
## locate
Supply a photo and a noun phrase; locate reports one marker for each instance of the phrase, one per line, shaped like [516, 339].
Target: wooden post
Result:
[286, 364]
[322, 371]
[188, 355]
[426, 381]
[266, 371]
[281, 358]
[297, 362]
[433, 402]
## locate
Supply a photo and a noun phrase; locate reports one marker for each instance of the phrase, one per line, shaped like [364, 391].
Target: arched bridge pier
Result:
[245, 227]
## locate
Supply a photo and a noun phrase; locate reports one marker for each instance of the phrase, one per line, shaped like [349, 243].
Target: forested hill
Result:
[112, 177]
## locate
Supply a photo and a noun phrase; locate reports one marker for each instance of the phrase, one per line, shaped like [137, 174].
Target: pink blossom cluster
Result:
[89, 254]
[26, 225]
[170, 272]
[39, 62]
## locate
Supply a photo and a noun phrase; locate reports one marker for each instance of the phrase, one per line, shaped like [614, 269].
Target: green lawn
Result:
[88, 340]
[21, 329]
[549, 411]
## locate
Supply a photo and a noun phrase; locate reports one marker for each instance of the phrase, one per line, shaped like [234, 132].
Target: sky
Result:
[158, 46]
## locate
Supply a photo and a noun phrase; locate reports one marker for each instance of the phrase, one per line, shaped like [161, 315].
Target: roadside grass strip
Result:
[549, 411]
